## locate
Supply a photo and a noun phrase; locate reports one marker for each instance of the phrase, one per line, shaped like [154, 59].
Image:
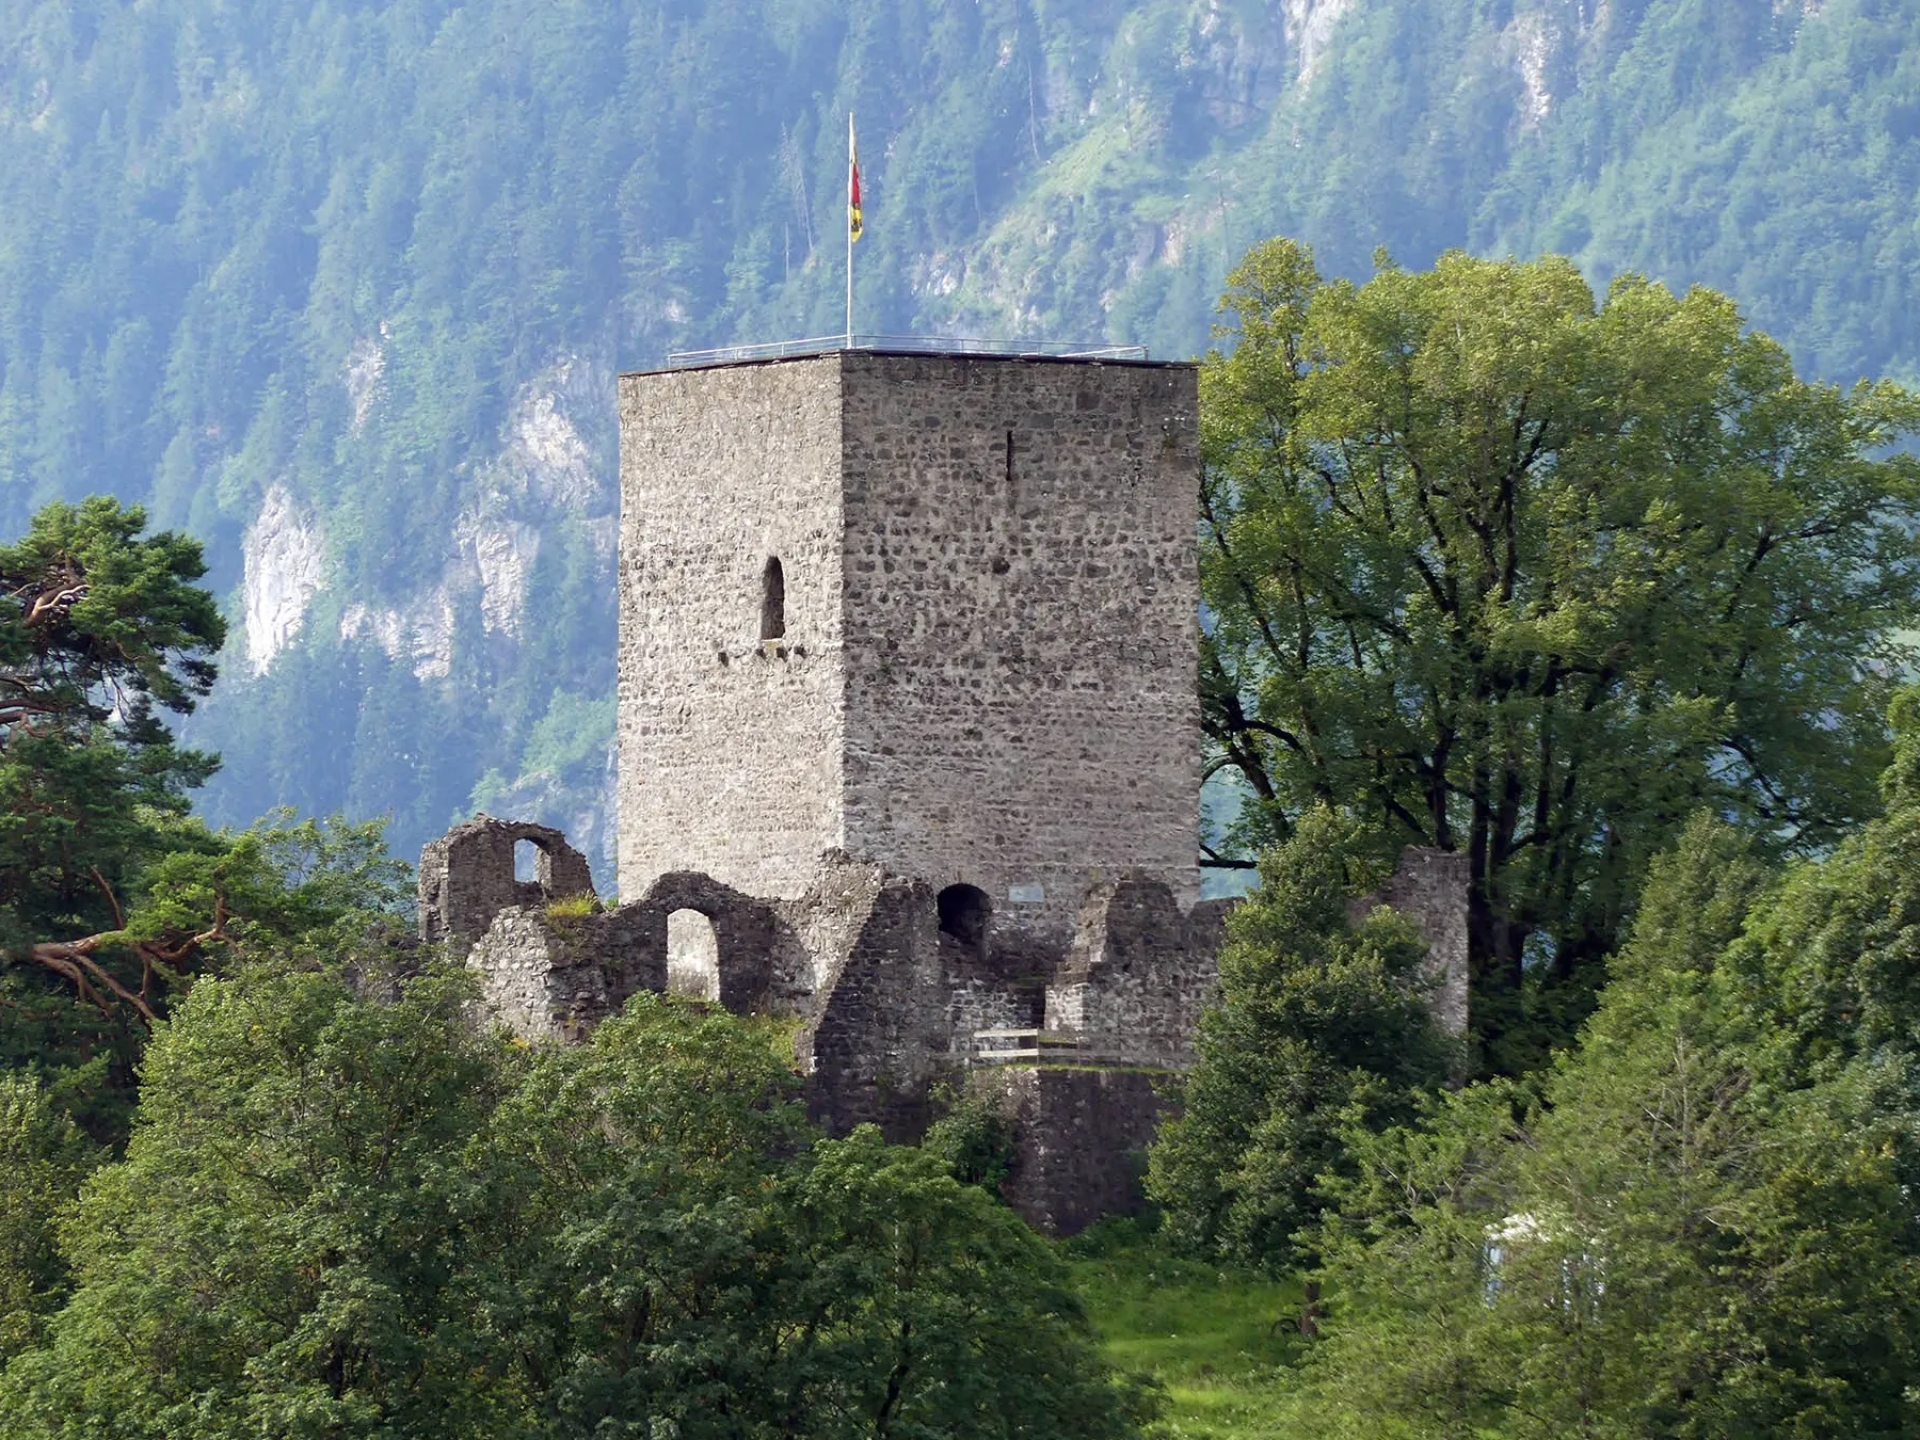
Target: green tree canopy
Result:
[43, 1158]
[103, 630]
[99, 626]
[342, 1216]
[101, 623]
[1701, 1226]
[1323, 1022]
[1498, 569]
[111, 895]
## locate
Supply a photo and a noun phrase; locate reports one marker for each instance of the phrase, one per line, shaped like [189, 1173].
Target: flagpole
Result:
[850, 164]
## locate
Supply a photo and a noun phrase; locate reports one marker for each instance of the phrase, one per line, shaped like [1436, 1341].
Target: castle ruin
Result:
[908, 749]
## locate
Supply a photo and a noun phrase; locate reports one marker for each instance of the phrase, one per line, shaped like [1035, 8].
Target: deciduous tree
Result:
[343, 1216]
[1493, 567]
[1697, 1227]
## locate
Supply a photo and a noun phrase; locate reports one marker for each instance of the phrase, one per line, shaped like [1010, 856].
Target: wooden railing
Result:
[1069, 1047]
[1001, 1047]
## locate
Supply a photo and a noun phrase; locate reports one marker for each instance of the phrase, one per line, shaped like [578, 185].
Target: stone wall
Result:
[466, 877]
[1021, 593]
[875, 1042]
[730, 748]
[1139, 975]
[548, 978]
[986, 668]
[889, 999]
[556, 977]
[990, 987]
[890, 1002]
[1430, 888]
[1080, 1140]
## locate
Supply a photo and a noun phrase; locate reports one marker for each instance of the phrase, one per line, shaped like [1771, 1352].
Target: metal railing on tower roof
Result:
[905, 344]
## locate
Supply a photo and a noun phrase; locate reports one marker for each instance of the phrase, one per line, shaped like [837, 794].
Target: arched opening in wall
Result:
[773, 601]
[526, 860]
[964, 914]
[693, 956]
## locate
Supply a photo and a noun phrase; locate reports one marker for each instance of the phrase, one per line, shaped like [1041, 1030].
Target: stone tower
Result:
[935, 611]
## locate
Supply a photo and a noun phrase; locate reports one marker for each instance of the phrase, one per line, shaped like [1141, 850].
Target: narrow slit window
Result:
[773, 601]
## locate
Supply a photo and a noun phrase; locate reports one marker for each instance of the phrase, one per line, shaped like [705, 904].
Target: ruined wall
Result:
[1430, 888]
[730, 750]
[548, 976]
[1080, 1140]
[1021, 634]
[466, 877]
[992, 987]
[877, 1038]
[889, 999]
[555, 979]
[1139, 975]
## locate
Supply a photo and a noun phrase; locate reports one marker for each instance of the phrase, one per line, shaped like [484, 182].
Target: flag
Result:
[854, 226]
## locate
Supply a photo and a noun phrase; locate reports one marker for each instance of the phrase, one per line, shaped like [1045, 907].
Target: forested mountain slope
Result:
[343, 287]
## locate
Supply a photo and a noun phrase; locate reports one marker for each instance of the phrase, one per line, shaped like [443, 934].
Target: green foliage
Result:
[1498, 570]
[974, 1139]
[344, 1216]
[101, 623]
[198, 903]
[710, 1255]
[110, 896]
[1322, 1024]
[572, 907]
[43, 1158]
[942, 1312]
[1835, 950]
[101, 628]
[283, 884]
[1700, 1227]
[287, 1246]
[98, 625]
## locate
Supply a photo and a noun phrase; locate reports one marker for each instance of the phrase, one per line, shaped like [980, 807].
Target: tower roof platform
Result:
[909, 345]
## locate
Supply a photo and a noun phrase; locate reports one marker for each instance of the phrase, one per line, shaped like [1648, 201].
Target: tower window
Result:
[773, 601]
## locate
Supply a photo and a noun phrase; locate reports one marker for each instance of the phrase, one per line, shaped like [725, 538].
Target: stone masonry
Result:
[1431, 887]
[892, 1007]
[1138, 974]
[981, 669]
[467, 877]
[909, 752]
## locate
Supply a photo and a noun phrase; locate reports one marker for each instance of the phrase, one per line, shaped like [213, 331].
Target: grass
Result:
[1207, 1334]
[572, 907]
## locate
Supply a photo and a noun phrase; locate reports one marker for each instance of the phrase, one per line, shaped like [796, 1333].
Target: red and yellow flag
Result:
[854, 227]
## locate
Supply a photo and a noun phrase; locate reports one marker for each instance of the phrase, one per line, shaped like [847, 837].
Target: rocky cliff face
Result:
[284, 569]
